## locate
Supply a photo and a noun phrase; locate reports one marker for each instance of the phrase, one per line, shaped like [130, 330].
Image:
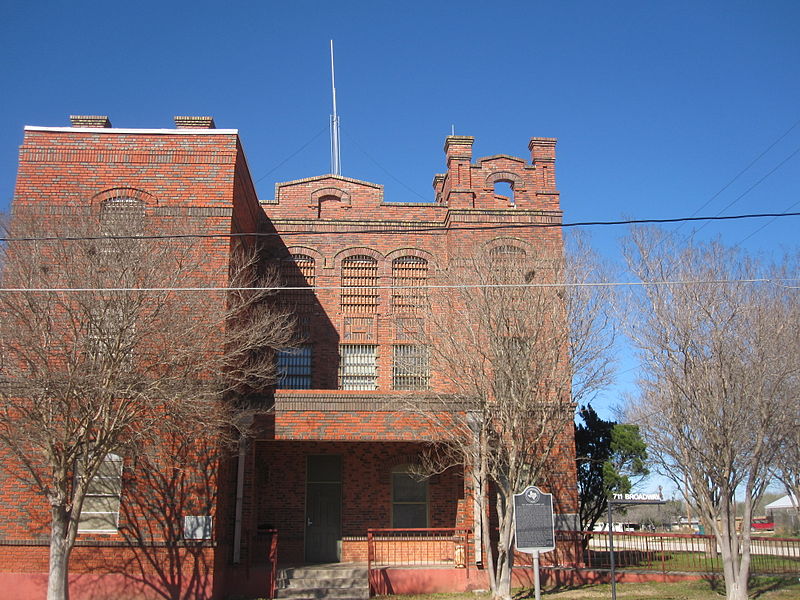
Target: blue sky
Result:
[657, 106]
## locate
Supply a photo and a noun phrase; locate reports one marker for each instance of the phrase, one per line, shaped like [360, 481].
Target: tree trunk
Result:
[60, 548]
[505, 550]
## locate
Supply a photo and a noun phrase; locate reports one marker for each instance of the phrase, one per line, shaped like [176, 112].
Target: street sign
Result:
[637, 499]
[533, 521]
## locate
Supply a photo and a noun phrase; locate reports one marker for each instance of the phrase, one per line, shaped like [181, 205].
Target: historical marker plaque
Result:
[533, 521]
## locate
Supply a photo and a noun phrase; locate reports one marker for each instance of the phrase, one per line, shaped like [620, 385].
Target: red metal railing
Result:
[669, 552]
[272, 557]
[430, 547]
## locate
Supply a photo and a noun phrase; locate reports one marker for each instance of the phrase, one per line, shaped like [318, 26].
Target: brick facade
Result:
[199, 174]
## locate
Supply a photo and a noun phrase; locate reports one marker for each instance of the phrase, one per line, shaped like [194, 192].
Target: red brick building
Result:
[331, 460]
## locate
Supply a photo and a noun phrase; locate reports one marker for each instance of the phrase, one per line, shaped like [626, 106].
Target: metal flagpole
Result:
[336, 162]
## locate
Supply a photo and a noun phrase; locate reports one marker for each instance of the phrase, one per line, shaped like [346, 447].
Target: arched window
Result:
[359, 284]
[507, 252]
[100, 512]
[298, 271]
[507, 262]
[409, 278]
[504, 190]
[122, 216]
[409, 499]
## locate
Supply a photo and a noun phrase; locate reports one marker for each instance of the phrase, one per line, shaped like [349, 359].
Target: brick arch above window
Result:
[410, 252]
[330, 193]
[318, 257]
[517, 183]
[146, 198]
[358, 251]
[507, 241]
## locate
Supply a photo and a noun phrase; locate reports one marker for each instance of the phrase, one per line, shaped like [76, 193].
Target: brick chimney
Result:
[100, 121]
[194, 122]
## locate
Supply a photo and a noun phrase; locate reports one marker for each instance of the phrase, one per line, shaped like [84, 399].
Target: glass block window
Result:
[294, 368]
[409, 278]
[359, 284]
[411, 368]
[100, 512]
[122, 216]
[409, 499]
[298, 272]
[358, 367]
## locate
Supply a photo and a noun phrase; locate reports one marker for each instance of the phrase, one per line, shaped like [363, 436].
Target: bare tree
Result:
[714, 378]
[499, 340]
[787, 465]
[104, 356]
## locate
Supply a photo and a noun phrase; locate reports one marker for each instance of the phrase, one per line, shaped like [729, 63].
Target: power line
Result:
[292, 155]
[740, 173]
[779, 282]
[384, 169]
[747, 237]
[399, 230]
[748, 190]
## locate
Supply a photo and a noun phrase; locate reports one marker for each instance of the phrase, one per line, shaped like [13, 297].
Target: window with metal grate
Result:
[358, 367]
[411, 367]
[359, 284]
[298, 271]
[294, 368]
[409, 278]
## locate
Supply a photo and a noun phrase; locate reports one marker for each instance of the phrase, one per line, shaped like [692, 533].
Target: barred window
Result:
[409, 499]
[409, 278]
[100, 512]
[122, 216]
[507, 253]
[359, 284]
[294, 368]
[509, 264]
[411, 367]
[110, 336]
[298, 272]
[358, 367]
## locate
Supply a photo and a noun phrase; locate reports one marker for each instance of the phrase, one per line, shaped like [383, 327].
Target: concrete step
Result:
[327, 582]
[328, 571]
[323, 593]
[323, 582]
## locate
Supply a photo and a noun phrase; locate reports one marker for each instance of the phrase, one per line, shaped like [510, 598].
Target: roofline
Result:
[140, 131]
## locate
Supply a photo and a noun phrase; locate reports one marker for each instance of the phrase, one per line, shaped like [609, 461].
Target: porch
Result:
[324, 497]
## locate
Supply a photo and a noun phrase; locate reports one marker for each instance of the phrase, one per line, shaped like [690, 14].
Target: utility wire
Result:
[399, 230]
[779, 282]
[384, 169]
[747, 191]
[740, 173]
[292, 155]
[747, 237]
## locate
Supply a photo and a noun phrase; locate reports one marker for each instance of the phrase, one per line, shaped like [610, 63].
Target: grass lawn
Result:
[761, 589]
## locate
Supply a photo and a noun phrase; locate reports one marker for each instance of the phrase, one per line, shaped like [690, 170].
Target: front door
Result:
[323, 508]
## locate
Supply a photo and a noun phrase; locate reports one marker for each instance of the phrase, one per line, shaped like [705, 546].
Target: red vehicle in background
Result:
[762, 525]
